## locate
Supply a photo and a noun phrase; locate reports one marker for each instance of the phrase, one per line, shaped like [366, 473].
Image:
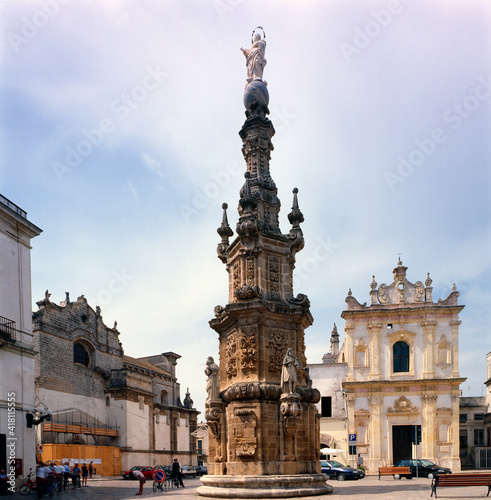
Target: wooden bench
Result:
[391, 471]
[476, 479]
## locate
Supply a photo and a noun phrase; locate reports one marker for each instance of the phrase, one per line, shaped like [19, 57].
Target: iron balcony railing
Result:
[7, 329]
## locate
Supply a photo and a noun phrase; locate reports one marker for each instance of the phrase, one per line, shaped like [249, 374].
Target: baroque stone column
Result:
[376, 456]
[429, 431]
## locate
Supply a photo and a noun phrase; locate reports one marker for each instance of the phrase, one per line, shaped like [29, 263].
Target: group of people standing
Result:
[62, 470]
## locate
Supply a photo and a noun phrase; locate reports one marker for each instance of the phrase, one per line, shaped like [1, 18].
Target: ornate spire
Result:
[295, 216]
[225, 232]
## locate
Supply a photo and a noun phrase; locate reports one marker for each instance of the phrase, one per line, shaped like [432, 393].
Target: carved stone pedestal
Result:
[277, 486]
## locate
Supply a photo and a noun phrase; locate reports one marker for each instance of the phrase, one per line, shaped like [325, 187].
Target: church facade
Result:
[108, 408]
[401, 370]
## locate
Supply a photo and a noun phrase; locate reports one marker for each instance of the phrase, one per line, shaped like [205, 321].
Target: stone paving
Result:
[368, 488]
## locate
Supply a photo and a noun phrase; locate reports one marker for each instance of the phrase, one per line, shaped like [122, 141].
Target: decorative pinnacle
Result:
[247, 202]
[225, 231]
[373, 284]
[428, 281]
[295, 216]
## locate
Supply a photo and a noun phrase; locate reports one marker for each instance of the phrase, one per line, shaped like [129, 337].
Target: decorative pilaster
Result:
[429, 328]
[374, 329]
[455, 347]
[429, 429]
[349, 330]
[376, 456]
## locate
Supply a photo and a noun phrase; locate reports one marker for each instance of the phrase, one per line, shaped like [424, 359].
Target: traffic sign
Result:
[352, 439]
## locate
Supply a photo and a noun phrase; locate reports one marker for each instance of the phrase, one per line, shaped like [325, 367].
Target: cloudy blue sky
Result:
[119, 137]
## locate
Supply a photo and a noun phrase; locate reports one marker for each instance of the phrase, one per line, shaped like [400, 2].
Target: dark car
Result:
[146, 471]
[425, 468]
[339, 471]
[201, 470]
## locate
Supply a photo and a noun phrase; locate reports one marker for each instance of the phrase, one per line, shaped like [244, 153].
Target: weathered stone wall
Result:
[56, 329]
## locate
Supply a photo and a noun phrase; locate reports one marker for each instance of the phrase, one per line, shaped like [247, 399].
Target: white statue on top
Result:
[255, 60]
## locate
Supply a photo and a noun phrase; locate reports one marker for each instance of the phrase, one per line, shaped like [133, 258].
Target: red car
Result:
[146, 471]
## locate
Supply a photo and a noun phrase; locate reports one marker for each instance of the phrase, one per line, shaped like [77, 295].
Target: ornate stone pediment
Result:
[403, 406]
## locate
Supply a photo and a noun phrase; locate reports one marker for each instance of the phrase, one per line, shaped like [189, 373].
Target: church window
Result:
[478, 416]
[463, 418]
[80, 355]
[400, 353]
[326, 406]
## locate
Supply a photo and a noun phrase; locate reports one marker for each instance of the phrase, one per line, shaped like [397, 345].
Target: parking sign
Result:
[352, 439]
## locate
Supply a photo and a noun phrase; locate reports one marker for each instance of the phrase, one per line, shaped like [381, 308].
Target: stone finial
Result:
[47, 295]
[98, 310]
[373, 284]
[295, 216]
[67, 297]
[350, 293]
[115, 327]
[225, 231]
[454, 288]
[428, 281]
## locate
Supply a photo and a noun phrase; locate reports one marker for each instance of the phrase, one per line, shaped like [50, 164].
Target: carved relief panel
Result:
[274, 276]
[245, 439]
[231, 355]
[247, 349]
[277, 345]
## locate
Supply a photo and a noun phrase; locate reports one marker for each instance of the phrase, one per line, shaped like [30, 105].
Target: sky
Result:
[119, 137]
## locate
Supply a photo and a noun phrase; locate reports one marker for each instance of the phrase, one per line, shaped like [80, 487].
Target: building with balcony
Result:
[17, 396]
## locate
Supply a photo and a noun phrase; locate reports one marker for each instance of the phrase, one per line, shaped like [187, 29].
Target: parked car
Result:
[339, 471]
[426, 468]
[188, 471]
[146, 471]
[201, 470]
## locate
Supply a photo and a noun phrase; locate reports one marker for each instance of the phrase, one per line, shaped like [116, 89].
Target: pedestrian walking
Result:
[176, 471]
